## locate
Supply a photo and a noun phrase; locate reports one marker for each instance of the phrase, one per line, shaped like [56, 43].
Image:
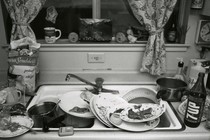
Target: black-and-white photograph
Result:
[104, 70]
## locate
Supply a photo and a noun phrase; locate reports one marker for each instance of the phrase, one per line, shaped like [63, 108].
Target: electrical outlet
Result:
[96, 58]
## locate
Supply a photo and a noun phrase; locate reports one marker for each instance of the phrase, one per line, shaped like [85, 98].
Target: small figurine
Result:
[51, 14]
[130, 36]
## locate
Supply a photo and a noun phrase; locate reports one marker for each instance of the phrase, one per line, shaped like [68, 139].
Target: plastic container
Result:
[193, 74]
[179, 73]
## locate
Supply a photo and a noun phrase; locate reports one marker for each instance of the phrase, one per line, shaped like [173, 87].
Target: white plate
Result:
[22, 120]
[156, 111]
[103, 102]
[86, 96]
[72, 99]
[134, 127]
[96, 115]
[141, 95]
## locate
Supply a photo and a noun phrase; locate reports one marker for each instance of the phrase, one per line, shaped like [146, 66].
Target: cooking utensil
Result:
[170, 89]
[43, 112]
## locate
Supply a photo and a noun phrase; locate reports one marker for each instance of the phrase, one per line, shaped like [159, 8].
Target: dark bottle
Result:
[172, 34]
[196, 103]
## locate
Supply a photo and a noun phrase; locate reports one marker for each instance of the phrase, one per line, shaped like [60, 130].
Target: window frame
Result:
[183, 15]
[184, 12]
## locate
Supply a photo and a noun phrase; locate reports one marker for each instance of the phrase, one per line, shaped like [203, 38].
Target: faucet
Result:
[96, 87]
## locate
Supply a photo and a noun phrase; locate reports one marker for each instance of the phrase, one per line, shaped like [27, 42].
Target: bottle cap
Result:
[180, 63]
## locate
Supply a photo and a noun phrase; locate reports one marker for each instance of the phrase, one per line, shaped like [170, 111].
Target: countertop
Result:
[200, 133]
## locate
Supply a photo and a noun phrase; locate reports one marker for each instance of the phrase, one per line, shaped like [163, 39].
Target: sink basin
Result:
[168, 121]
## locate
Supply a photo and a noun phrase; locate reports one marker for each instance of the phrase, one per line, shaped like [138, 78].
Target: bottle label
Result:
[194, 109]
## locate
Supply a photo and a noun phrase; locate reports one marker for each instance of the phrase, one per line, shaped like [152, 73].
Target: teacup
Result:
[13, 95]
[50, 34]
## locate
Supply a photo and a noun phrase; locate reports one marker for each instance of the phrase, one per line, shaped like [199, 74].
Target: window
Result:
[70, 11]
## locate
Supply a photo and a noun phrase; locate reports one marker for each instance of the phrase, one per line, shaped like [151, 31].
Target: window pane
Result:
[122, 17]
[69, 12]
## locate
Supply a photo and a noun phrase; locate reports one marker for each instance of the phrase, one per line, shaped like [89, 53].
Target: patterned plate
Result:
[115, 119]
[105, 101]
[94, 112]
[141, 95]
[22, 120]
[142, 112]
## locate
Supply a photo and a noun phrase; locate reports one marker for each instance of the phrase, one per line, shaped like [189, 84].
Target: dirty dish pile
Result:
[115, 111]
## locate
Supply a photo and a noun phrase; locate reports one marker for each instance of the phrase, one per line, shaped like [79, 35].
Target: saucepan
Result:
[43, 113]
[170, 89]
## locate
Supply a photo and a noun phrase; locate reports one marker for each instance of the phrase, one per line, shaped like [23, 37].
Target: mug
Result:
[50, 34]
[13, 95]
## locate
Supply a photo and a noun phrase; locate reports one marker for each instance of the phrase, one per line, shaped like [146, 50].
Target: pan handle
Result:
[45, 127]
[162, 94]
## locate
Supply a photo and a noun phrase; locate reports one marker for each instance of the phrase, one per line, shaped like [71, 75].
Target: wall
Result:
[193, 51]
[56, 60]
[3, 53]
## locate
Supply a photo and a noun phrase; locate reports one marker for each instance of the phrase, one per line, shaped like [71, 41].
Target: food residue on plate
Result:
[139, 114]
[7, 125]
[79, 109]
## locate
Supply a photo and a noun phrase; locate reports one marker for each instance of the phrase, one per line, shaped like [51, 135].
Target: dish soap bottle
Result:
[196, 102]
[179, 72]
[193, 75]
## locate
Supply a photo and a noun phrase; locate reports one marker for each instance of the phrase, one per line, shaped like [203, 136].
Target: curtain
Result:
[22, 13]
[154, 14]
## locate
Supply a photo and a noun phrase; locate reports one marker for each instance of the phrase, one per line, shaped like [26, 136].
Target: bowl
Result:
[141, 95]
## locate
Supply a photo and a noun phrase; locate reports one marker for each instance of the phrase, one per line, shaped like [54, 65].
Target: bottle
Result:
[208, 83]
[207, 104]
[193, 74]
[172, 34]
[196, 103]
[179, 73]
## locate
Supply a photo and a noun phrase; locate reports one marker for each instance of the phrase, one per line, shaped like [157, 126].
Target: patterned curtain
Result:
[22, 13]
[154, 14]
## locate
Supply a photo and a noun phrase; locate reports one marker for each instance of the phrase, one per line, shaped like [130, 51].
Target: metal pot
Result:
[170, 89]
[42, 113]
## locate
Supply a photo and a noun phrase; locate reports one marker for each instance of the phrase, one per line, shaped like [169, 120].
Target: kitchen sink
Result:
[168, 121]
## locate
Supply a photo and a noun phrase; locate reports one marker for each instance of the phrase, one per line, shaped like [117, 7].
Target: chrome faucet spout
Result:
[68, 77]
[96, 87]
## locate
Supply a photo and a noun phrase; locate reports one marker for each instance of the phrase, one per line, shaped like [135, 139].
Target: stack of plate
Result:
[112, 110]
[102, 103]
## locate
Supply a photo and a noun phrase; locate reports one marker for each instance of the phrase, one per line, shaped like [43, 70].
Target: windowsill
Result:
[65, 42]
[65, 45]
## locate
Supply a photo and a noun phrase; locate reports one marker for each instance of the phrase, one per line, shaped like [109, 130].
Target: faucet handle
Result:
[99, 82]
